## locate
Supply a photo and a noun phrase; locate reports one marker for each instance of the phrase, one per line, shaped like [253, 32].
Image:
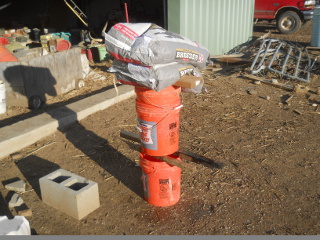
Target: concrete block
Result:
[17, 186]
[69, 193]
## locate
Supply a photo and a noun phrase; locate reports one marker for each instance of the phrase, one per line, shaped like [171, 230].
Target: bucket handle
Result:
[160, 106]
[154, 172]
[140, 130]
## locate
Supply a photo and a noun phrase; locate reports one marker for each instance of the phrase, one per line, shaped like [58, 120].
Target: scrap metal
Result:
[281, 57]
[292, 61]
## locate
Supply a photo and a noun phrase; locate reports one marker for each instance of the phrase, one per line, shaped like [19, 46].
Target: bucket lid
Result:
[63, 45]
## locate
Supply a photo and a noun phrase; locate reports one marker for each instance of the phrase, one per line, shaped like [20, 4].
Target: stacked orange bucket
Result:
[158, 122]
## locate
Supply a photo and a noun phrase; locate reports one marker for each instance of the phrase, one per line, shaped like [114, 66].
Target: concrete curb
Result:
[24, 133]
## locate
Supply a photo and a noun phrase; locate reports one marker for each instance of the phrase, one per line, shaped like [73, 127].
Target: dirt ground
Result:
[268, 185]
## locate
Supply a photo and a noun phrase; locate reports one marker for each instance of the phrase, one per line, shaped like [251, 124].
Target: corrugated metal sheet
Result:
[218, 25]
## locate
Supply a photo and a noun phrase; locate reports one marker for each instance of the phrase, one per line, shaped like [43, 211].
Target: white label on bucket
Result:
[148, 134]
[146, 137]
[165, 187]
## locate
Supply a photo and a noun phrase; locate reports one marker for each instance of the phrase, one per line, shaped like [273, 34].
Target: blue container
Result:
[65, 36]
[315, 37]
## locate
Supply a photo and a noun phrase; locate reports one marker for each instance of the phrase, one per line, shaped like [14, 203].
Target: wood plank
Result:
[227, 56]
[189, 81]
[234, 60]
[177, 163]
[313, 48]
[172, 161]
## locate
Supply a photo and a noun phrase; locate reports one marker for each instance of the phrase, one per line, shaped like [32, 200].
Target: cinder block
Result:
[69, 193]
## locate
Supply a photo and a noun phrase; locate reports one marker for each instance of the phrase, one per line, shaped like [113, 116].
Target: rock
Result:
[274, 81]
[268, 98]
[15, 201]
[25, 212]
[252, 92]
[18, 186]
[300, 89]
[16, 156]
[257, 82]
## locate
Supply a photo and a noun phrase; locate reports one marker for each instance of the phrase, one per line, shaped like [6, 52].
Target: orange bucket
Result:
[159, 128]
[161, 181]
[6, 55]
[168, 95]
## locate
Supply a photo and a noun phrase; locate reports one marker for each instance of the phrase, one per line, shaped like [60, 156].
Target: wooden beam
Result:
[180, 153]
[189, 81]
[172, 161]
[177, 163]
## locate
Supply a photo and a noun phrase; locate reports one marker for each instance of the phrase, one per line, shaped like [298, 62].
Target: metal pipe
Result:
[126, 11]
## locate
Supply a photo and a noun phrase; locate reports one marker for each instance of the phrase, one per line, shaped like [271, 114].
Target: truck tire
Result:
[288, 22]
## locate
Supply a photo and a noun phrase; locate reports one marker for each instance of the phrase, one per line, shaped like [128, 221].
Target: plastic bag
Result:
[157, 77]
[148, 44]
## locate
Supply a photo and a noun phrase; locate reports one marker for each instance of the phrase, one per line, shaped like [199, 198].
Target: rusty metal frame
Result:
[272, 50]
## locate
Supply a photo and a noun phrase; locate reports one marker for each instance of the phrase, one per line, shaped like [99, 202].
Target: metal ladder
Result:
[77, 11]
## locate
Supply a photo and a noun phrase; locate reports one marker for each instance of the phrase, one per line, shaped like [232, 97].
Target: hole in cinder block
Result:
[60, 179]
[77, 186]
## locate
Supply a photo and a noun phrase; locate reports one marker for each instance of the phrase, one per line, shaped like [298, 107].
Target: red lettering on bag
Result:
[125, 31]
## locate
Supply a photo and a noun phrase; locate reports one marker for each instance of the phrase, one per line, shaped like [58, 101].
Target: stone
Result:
[300, 89]
[25, 212]
[257, 82]
[16, 156]
[15, 201]
[17, 186]
[252, 92]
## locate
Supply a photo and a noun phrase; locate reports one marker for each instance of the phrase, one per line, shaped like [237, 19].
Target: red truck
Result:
[289, 14]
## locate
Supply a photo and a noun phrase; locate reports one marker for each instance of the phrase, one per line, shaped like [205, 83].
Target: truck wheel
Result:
[288, 22]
